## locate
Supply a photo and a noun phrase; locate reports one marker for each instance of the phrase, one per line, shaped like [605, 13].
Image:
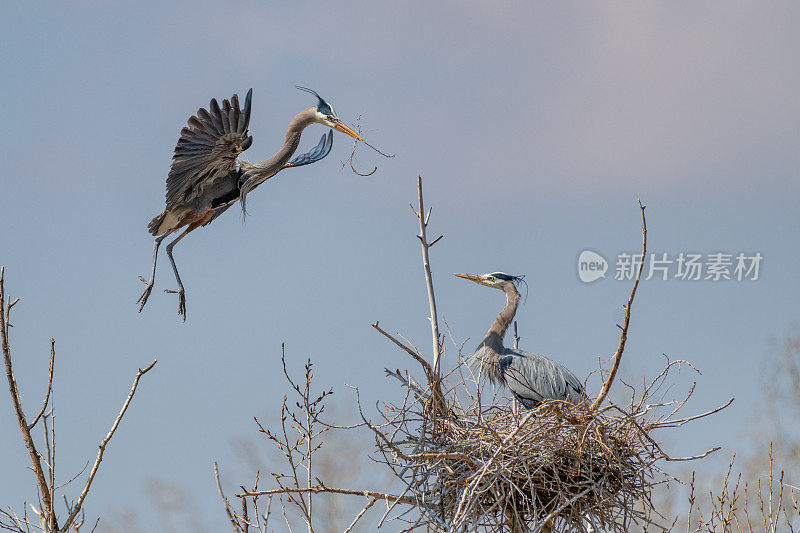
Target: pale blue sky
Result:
[535, 126]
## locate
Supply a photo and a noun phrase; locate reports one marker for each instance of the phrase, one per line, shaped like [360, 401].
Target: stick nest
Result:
[557, 462]
[559, 466]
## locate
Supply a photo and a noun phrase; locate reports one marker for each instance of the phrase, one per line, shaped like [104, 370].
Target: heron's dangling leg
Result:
[180, 292]
[146, 294]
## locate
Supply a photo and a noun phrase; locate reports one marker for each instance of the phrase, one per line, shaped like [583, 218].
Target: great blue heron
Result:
[206, 177]
[532, 378]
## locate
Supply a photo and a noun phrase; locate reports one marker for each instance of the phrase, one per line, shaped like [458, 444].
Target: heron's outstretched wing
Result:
[534, 378]
[208, 148]
[318, 152]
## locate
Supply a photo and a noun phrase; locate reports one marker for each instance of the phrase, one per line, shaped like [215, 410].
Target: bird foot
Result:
[146, 294]
[181, 301]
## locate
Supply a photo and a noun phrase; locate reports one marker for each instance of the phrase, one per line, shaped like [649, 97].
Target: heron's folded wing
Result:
[318, 152]
[537, 378]
[208, 147]
[522, 379]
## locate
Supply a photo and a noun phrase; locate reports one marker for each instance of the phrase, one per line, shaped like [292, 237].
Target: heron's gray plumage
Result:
[206, 177]
[207, 150]
[532, 378]
[254, 174]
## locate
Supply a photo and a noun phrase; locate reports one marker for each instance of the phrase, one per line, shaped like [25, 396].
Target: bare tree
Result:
[765, 503]
[754, 495]
[44, 515]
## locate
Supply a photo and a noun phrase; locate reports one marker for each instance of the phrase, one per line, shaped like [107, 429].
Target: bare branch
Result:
[426, 263]
[36, 464]
[50, 445]
[656, 445]
[49, 384]
[434, 241]
[245, 518]
[234, 522]
[417, 357]
[333, 490]
[682, 421]
[366, 508]
[104, 443]
[624, 333]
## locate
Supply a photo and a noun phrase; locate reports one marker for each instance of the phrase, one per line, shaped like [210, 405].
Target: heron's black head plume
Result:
[323, 106]
[516, 280]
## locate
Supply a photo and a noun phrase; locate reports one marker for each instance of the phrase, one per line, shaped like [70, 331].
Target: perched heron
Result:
[532, 378]
[206, 177]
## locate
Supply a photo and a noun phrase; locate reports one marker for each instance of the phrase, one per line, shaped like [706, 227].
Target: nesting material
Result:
[557, 467]
[556, 464]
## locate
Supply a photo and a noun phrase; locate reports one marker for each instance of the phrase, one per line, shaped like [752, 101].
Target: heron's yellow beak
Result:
[344, 128]
[471, 277]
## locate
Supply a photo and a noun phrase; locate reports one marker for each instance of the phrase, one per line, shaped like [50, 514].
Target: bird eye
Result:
[491, 278]
[331, 118]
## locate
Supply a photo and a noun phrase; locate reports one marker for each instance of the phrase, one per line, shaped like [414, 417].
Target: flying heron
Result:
[206, 177]
[532, 378]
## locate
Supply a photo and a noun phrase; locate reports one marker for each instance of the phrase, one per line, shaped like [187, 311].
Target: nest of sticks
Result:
[557, 464]
[557, 467]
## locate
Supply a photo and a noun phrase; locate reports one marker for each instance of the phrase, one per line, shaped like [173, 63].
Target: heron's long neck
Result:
[254, 174]
[498, 330]
[490, 350]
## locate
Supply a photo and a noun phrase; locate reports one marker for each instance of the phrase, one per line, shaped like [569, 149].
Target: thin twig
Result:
[333, 490]
[49, 384]
[417, 357]
[366, 508]
[349, 160]
[104, 443]
[233, 521]
[682, 421]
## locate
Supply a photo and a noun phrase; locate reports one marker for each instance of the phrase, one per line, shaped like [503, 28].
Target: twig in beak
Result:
[349, 160]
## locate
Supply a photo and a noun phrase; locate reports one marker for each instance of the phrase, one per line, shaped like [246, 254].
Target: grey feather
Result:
[532, 378]
[244, 124]
[216, 116]
[208, 122]
[206, 150]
